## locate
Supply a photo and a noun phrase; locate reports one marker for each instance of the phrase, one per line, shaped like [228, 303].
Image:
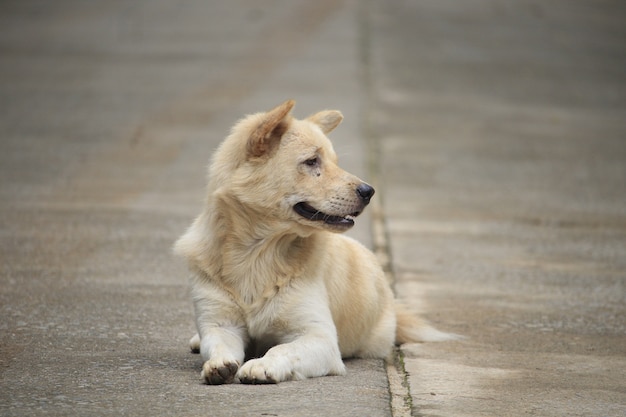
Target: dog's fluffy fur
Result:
[271, 278]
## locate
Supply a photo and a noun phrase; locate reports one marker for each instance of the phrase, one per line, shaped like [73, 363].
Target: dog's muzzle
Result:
[364, 193]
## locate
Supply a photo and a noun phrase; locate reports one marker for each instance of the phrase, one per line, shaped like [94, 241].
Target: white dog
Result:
[272, 278]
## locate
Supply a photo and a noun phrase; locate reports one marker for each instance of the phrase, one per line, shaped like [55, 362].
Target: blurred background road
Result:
[502, 131]
[109, 112]
[494, 130]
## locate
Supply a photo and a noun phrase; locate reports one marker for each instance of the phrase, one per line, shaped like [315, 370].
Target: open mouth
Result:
[313, 214]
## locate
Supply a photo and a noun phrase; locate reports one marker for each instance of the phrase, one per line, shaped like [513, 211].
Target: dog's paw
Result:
[194, 344]
[264, 371]
[217, 372]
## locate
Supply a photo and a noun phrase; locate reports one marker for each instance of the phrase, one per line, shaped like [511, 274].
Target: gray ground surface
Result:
[499, 148]
[503, 140]
[109, 113]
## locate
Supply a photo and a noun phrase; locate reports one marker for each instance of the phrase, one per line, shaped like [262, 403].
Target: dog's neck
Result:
[256, 257]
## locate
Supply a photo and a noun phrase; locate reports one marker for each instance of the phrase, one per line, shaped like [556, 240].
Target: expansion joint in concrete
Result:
[399, 390]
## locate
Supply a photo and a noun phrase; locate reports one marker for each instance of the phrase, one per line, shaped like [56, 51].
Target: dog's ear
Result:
[272, 127]
[327, 120]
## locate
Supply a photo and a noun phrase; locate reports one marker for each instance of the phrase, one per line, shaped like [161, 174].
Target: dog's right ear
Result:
[273, 125]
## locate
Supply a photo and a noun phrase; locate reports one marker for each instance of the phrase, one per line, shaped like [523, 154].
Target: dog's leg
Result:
[308, 349]
[221, 332]
[222, 349]
[311, 355]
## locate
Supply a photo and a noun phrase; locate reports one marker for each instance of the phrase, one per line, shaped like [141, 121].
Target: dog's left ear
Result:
[327, 120]
[272, 127]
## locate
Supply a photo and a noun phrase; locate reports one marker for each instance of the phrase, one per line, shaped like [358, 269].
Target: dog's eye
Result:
[313, 162]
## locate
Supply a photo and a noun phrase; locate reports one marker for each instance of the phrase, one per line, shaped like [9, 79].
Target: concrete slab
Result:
[501, 153]
[108, 116]
[501, 130]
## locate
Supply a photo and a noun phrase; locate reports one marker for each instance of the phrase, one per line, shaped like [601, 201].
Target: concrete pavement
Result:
[502, 135]
[109, 113]
[497, 141]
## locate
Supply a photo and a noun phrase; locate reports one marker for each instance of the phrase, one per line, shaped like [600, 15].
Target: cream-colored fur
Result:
[272, 278]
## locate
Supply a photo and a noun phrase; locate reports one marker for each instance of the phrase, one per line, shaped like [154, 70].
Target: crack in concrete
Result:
[401, 402]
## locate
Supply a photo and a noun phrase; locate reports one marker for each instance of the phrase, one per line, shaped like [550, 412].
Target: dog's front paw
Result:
[217, 372]
[264, 371]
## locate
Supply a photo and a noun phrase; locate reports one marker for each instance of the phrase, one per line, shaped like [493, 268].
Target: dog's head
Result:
[281, 169]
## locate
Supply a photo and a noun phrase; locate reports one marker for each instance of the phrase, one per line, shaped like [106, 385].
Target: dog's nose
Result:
[365, 191]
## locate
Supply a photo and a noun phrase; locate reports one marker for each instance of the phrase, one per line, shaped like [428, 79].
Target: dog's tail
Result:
[412, 329]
